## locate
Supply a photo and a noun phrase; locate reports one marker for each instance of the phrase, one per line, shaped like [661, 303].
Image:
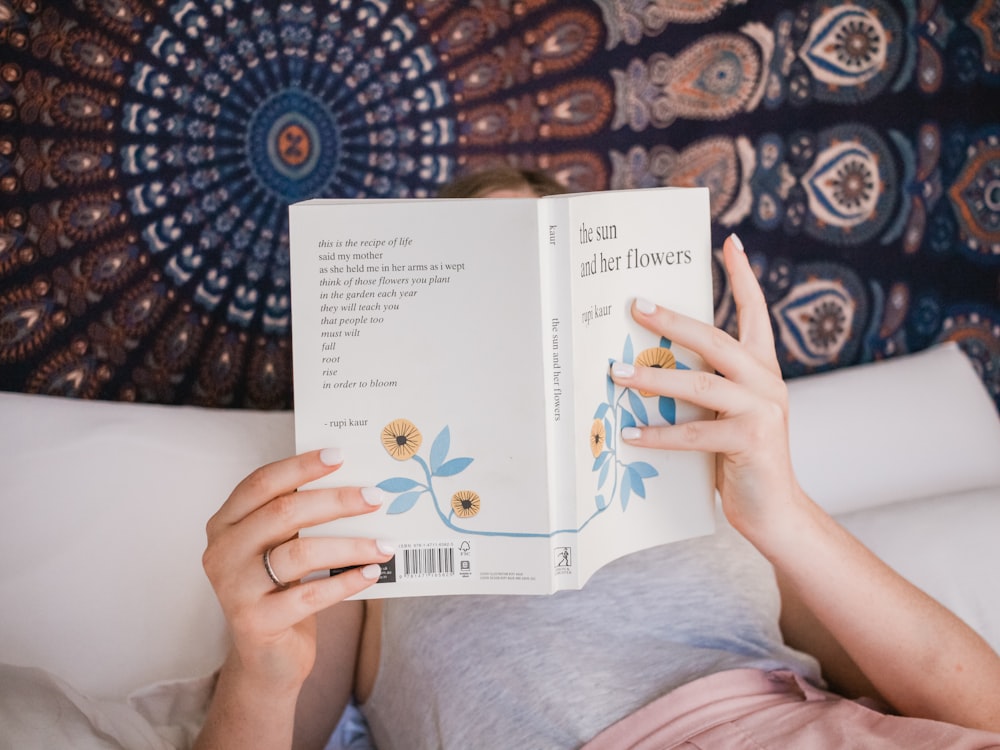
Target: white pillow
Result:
[947, 546]
[103, 504]
[909, 427]
[104, 508]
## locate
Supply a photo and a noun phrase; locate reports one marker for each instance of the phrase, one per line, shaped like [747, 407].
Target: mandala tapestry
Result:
[149, 150]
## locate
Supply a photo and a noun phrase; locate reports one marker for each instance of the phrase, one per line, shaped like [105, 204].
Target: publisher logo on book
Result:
[563, 560]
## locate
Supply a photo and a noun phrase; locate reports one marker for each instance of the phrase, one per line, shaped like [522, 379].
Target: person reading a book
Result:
[748, 637]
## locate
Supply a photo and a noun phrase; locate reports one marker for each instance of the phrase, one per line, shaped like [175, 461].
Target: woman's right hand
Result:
[274, 628]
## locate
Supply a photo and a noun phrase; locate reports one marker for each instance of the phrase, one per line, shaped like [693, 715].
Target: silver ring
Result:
[270, 571]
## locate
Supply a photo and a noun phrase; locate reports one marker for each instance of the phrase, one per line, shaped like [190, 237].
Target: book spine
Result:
[554, 257]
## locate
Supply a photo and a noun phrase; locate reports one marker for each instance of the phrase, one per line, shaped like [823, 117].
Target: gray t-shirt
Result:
[553, 671]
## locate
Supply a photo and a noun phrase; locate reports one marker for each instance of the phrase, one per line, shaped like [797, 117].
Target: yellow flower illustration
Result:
[659, 357]
[597, 437]
[401, 439]
[465, 503]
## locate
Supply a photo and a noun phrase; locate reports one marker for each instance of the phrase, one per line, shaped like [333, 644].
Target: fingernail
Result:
[372, 571]
[331, 456]
[644, 306]
[372, 495]
[737, 242]
[622, 370]
[385, 548]
[631, 433]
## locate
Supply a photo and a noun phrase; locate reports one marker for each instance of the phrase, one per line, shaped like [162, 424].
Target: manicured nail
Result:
[631, 433]
[372, 495]
[331, 456]
[385, 548]
[372, 571]
[737, 242]
[622, 370]
[644, 306]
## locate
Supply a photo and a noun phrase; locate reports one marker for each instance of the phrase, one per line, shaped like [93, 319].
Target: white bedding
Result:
[109, 628]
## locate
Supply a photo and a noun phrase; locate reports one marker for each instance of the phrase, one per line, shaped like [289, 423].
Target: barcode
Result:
[429, 561]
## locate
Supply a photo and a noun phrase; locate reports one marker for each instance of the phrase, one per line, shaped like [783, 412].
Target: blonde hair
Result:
[477, 184]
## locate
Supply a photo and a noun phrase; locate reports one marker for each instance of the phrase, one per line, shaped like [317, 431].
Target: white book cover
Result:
[458, 351]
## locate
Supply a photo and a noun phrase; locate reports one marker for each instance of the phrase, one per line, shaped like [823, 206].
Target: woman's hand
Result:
[870, 627]
[273, 626]
[750, 434]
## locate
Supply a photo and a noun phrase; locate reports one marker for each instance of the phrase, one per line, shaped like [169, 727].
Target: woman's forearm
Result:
[916, 654]
[246, 714]
[921, 658]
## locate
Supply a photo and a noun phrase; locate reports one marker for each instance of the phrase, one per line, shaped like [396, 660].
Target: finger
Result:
[721, 351]
[752, 318]
[725, 436]
[284, 516]
[300, 557]
[287, 608]
[274, 479]
[703, 389]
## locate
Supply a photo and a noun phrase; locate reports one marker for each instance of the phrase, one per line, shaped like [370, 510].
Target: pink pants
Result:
[748, 709]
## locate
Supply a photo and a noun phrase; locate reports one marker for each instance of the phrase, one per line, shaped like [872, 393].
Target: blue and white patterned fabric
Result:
[148, 152]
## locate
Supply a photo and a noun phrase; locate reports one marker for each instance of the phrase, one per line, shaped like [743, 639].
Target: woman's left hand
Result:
[909, 649]
[750, 433]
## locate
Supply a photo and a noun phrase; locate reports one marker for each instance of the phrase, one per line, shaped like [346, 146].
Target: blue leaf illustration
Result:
[601, 502]
[668, 409]
[627, 354]
[627, 419]
[626, 489]
[404, 502]
[611, 388]
[439, 450]
[643, 469]
[601, 411]
[637, 406]
[599, 461]
[397, 484]
[604, 473]
[665, 342]
[682, 366]
[452, 467]
[635, 481]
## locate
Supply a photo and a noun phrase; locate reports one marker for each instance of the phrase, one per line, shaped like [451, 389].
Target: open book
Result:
[459, 350]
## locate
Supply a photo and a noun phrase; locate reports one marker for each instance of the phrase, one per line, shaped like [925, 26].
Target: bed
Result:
[111, 633]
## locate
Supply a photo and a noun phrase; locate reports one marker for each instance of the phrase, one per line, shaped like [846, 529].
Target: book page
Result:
[656, 244]
[418, 340]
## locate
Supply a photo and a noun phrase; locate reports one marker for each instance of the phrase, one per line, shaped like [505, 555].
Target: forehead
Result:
[519, 192]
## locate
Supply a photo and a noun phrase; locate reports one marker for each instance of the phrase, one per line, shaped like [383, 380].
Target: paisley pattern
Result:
[148, 152]
[852, 51]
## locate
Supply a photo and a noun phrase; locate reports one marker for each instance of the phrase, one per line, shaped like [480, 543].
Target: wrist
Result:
[780, 529]
[256, 682]
[249, 710]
